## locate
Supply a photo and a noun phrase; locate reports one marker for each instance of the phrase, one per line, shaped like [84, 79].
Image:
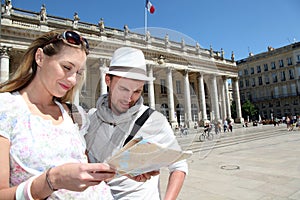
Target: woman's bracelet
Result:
[48, 180]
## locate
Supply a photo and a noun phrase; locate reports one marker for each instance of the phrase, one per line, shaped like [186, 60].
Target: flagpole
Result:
[145, 22]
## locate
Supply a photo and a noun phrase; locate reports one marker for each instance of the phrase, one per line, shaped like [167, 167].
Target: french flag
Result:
[150, 7]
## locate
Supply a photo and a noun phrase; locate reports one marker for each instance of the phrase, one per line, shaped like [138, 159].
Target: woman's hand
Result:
[79, 176]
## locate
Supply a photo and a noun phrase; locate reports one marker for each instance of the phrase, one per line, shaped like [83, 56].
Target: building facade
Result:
[191, 82]
[271, 81]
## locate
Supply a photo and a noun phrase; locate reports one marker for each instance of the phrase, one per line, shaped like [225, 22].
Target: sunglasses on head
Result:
[72, 38]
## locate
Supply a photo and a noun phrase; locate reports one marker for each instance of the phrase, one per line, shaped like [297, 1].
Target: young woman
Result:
[42, 151]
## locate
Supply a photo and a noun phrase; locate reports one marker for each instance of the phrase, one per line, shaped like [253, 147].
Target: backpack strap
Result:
[75, 114]
[138, 124]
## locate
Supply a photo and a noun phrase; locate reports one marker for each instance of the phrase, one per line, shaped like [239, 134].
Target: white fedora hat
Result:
[130, 63]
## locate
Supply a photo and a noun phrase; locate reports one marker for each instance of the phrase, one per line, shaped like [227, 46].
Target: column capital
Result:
[4, 50]
[235, 78]
[200, 74]
[224, 78]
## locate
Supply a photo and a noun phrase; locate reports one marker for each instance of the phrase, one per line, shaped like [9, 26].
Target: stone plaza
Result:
[265, 166]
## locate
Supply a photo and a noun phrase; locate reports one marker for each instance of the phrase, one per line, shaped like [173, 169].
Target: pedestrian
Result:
[225, 125]
[288, 123]
[42, 151]
[115, 117]
[230, 126]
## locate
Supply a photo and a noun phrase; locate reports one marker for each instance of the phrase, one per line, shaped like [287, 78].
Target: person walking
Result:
[114, 118]
[225, 125]
[42, 150]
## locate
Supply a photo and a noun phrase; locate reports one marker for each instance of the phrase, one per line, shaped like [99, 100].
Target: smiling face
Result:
[60, 73]
[123, 93]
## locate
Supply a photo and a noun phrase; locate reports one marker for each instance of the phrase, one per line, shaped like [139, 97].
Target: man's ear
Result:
[107, 79]
[39, 56]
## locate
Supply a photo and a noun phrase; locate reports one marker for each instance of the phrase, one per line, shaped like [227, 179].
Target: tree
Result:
[248, 109]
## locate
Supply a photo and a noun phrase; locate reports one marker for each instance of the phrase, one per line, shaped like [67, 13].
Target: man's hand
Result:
[144, 177]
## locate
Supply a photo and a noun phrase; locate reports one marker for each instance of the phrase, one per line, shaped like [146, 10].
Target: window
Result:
[240, 72]
[267, 81]
[247, 83]
[194, 112]
[243, 97]
[291, 74]
[252, 70]
[274, 77]
[163, 89]
[276, 92]
[248, 96]
[246, 71]
[273, 65]
[293, 89]
[289, 61]
[178, 87]
[258, 69]
[284, 90]
[282, 76]
[260, 80]
[298, 58]
[266, 67]
[253, 82]
[241, 83]
[281, 63]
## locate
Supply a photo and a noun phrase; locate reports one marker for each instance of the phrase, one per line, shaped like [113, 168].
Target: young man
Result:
[114, 118]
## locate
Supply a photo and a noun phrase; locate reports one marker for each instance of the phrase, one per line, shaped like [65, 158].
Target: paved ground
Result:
[253, 168]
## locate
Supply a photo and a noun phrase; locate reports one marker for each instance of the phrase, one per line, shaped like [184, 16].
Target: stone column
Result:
[4, 64]
[227, 100]
[202, 102]
[223, 114]
[103, 69]
[171, 98]
[236, 93]
[187, 99]
[151, 88]
[214, 99]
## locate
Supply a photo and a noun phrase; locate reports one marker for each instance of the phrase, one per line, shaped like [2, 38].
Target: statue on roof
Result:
[126, 29]
[211, 51]
[101, 25]
[7, 7]
[75, 20]
[222, 53]
[232, 56]
[43, 13]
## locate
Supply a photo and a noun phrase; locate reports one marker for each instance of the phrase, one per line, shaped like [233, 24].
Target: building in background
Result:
[191, 83]
[271, 81]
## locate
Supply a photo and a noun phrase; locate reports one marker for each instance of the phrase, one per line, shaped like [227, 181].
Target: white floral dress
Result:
[37, 144]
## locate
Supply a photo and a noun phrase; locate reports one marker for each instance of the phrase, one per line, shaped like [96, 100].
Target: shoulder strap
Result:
[138, 124]
[75, 114]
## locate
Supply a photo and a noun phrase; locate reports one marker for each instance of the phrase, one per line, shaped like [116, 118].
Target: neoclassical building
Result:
[271, 81]
[191, 83]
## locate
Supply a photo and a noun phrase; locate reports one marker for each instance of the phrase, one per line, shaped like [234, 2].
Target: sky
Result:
[234, 25]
